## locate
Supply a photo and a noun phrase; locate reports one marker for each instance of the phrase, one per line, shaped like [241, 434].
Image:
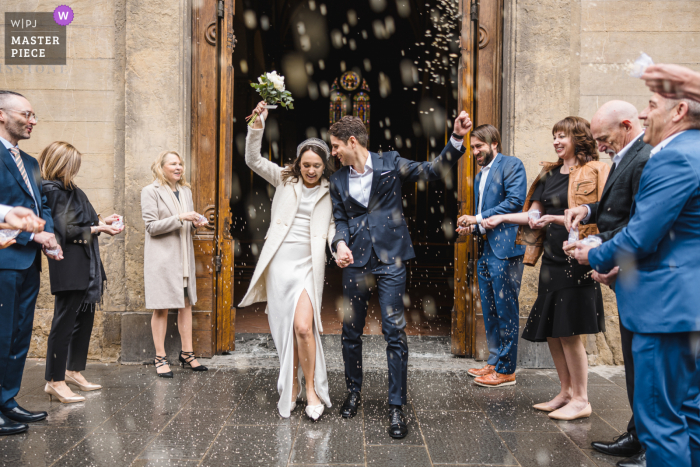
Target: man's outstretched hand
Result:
[343, 255]
[23, 219]
[463, 124]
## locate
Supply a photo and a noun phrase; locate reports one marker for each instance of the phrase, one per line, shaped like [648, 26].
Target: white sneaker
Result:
[314, 412]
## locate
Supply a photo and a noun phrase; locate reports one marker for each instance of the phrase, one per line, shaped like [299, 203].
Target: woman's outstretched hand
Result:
[261, 111]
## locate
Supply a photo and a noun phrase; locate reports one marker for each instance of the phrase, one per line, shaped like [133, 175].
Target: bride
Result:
[290, 270]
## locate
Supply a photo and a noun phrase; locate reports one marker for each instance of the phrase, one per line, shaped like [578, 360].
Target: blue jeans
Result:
[499, 286]
[667, 397]
[391, 286]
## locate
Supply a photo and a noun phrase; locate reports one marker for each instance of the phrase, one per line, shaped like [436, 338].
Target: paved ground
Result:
[228, 416]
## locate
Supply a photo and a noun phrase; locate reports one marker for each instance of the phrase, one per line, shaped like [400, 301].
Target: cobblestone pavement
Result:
[227, 416]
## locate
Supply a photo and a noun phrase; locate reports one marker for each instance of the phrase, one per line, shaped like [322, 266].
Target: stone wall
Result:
[121, 98]
[568, 57]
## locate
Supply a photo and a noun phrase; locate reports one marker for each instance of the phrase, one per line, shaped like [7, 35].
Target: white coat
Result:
[284, 209]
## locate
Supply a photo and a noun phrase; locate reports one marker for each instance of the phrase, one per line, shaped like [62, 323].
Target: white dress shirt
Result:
[482, 184]
[617, 158]
[360, 184]
[664, 143]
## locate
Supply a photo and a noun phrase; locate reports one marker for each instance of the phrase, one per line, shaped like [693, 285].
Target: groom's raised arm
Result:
[412, 171]
[340, 217]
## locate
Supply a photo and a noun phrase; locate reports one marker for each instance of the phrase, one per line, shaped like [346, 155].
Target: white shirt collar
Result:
[618, 157]
[368, 167]
[7, 144]
[665, 143]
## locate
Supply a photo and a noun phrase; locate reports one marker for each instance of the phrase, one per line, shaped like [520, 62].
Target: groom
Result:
[372, 243]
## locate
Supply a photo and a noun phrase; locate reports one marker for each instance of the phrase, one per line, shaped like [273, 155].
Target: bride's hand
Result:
[261, 111]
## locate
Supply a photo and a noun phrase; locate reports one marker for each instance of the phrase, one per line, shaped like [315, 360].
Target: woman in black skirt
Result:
[77, 282]
[569, 302]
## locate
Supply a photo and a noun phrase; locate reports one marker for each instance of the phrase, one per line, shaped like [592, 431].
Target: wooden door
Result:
[481, 41]
[213, 40]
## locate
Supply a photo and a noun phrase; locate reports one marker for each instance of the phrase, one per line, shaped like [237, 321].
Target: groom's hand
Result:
[463, 124]
[344, 255]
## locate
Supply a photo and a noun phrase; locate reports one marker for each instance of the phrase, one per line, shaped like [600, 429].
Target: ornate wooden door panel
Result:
[212, 119]
[480, 95]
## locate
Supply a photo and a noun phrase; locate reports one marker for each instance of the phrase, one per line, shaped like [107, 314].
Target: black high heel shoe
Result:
[189, 357]
[159, 362]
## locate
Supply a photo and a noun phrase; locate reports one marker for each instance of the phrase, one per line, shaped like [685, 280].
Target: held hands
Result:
[492, 222]
[463, 124]
[344, 255]
[20, 218]
[573, 216]
[260, 110]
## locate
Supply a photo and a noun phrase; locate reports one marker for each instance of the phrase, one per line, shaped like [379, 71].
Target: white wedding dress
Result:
[289, 273]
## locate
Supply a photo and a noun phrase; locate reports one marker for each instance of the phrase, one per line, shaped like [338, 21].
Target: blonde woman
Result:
[290, 271]
[77, 282]
[169, 269]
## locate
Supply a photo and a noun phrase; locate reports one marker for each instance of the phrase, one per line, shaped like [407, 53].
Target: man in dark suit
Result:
[373, 243]
[657, 294]
[618, 131]
[20, 264]
[499, 188]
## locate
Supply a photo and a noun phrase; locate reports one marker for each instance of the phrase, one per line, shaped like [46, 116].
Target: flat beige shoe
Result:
[585, 413]
[86, 387]
[544, 407]
[48, 389]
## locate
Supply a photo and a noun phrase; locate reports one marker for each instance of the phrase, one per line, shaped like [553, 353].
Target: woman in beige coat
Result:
[169, 268]
[290, 270]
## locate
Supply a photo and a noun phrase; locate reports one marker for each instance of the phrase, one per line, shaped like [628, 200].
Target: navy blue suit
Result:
[500, 266]
[20, 266]
[378, 237]
[658, 300]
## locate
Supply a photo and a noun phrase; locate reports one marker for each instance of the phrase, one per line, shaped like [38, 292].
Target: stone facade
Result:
[124, 96]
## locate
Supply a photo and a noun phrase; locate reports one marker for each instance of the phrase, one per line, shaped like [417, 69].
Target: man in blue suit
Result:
[20, 264]
[499, 188]
[373, 243]
[658, 254]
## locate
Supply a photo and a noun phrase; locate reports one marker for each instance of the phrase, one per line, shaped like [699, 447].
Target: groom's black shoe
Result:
[349, 408]
[397, 422]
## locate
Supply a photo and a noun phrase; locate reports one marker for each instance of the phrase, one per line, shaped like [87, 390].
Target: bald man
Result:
[618, 132]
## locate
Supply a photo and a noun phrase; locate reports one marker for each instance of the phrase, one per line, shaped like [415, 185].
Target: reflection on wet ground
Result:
[228, 416]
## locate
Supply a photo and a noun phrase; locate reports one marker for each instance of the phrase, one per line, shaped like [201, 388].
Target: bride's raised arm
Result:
[253, 157]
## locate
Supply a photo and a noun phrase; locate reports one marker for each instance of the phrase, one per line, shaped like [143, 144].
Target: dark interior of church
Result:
[406, 53]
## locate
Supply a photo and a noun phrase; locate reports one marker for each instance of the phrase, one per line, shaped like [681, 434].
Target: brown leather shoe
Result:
[495, 380]
[475, 372]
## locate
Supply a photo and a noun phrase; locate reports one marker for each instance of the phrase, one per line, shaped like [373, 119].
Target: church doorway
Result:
[414, 62]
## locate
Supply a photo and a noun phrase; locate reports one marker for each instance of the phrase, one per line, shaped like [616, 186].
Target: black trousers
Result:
[69, 338]
[626, 341]
[391, 286]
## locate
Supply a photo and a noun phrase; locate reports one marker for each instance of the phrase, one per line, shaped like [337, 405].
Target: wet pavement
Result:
[227, 416]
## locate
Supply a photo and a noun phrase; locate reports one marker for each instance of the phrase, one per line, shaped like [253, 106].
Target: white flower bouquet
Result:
[271, 88]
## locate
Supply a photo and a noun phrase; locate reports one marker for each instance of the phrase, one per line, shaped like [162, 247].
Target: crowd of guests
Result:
[633, 226]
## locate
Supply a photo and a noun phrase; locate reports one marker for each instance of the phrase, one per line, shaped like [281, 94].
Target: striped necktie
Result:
[20, 166]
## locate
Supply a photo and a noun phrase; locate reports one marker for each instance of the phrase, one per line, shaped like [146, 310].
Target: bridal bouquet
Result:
[271, 88]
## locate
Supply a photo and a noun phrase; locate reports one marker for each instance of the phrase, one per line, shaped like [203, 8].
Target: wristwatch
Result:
[456, 136]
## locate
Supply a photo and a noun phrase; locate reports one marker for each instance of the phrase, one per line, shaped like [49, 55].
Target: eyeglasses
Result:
[27, 114]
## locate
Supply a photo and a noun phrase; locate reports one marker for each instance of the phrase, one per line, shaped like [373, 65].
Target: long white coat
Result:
[284, 209]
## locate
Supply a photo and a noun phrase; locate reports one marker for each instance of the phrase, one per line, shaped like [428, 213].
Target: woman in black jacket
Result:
[77, 282]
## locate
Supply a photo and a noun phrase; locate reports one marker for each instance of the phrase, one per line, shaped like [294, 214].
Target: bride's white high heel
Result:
[314, 412]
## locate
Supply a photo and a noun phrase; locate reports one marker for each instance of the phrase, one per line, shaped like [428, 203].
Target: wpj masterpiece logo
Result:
[36, 38]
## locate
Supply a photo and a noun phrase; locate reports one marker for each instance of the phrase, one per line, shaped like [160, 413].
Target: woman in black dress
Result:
[569, 302]
[77, 281]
